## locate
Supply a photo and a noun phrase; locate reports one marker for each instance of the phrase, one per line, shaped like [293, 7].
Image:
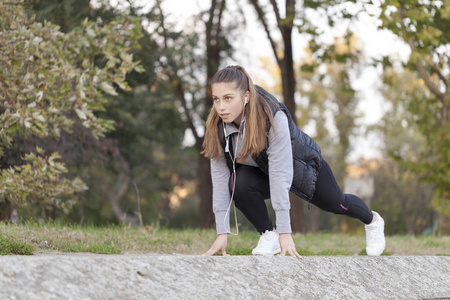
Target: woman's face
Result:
[228, 101]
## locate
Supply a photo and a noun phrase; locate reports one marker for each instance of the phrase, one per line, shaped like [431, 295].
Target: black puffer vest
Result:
[307, 158]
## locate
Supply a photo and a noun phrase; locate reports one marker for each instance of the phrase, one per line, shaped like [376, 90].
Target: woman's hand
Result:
[287, 245]
[219, 245]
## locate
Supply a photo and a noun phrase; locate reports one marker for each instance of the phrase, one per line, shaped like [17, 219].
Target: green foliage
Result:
[423, 25]
[143, 157]
[39, 182]
[95, 248]
[50, 81]
[411, 212]
[9, 246]
[146, 146]
[55, 73]
[67, 14]
[400, 198]
[326, 89]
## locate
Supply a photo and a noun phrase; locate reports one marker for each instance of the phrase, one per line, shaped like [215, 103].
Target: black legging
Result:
[252, 188]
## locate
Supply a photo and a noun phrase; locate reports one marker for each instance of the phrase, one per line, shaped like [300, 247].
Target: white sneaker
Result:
[375, 236]
[268, 244]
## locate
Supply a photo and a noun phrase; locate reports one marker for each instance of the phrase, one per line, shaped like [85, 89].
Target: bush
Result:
[10, 246]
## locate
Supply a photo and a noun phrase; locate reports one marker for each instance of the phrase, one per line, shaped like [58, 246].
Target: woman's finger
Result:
[210, 252]
[295, 254]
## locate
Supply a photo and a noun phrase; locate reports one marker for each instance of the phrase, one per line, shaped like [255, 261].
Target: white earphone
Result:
[246, 100]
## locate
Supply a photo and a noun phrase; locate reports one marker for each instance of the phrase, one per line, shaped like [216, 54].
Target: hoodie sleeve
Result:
[220, 176]
[281, 171]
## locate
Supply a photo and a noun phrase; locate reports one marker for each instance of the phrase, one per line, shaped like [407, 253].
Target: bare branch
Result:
[276, 11]
[5, 89]
[262, 18]
[211, 13]
[179, 92]
[422, 72]
[219, 21]
[290, 12]
[142, 177]
[138, 203]
[439, 74]
[426, 78]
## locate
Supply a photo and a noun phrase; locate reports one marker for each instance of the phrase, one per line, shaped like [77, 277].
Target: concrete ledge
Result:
[236, 277]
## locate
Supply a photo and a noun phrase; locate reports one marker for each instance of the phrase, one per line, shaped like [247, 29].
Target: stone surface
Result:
[84, 276]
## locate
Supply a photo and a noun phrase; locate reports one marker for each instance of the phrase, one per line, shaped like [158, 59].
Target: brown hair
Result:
[257, 111]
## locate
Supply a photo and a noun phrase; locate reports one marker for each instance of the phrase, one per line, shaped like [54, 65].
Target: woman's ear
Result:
[246, 97]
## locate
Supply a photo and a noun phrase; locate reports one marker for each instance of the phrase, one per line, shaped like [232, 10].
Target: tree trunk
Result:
[6, 209]
[288, 81]
[443, 225]
[115, 197]
[315, 220]
[205, 193]
[287, 72]
[214, 45]
[289, 86]
[297, 213]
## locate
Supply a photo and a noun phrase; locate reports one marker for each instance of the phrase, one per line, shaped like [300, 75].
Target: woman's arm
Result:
[220, 176]
[281, 171]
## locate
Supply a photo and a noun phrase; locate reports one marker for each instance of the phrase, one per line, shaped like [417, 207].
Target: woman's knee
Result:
[336, 205]
[244, 179]
[249, 183]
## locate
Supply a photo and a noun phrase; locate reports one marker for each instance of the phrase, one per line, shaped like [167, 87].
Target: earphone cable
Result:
[233, 159]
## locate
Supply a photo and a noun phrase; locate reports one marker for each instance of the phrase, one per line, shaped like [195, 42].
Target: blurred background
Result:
[368, 80]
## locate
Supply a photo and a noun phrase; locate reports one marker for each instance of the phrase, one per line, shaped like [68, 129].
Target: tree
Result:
[284, 57]
[399, 196]
[186, 71]
[50, 84]
[328, 99]
[137, 165]
[216, 43]
[65, 13]
[423, 26]
[149, 131]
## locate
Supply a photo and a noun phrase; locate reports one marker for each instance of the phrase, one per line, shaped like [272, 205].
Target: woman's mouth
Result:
[224, 116]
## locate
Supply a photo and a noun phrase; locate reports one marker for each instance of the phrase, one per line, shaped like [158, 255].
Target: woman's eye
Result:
[228, 98]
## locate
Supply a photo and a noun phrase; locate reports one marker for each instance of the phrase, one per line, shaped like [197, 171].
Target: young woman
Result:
[257, 152]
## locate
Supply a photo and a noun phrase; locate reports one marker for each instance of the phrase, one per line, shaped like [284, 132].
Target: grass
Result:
[33, 238]
[10, 246]
[96, 248]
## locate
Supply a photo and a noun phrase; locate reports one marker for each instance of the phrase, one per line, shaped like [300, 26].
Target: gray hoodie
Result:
[281, 172]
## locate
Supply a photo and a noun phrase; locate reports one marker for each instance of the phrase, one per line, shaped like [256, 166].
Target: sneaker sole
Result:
[268, 254]
[379, 252]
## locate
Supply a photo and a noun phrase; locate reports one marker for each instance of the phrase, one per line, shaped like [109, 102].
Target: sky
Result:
[253, 45]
